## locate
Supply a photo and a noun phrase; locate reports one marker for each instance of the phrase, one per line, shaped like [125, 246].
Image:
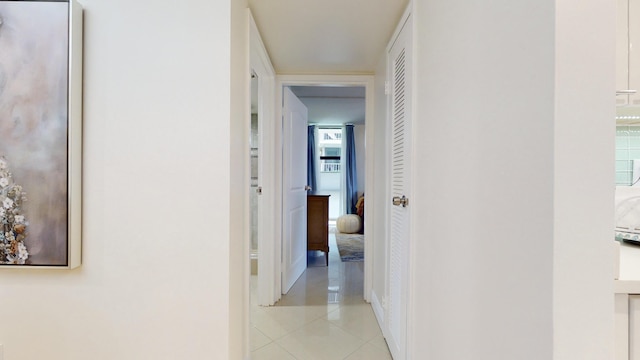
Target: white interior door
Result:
[399, 213]
[294, 226]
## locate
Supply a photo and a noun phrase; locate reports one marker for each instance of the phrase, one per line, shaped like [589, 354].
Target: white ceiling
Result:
[333, 105]
[326, 36]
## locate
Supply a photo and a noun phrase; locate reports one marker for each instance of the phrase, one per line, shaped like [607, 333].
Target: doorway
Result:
[333, 167]
[335, 81]
[318, 298]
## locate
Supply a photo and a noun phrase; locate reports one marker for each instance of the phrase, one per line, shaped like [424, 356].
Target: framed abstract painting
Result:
[40, 134]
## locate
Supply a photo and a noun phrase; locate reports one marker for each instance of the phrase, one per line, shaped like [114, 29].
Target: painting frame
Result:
[74, 145]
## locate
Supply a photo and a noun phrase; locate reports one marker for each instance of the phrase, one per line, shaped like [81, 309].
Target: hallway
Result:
[322, 317]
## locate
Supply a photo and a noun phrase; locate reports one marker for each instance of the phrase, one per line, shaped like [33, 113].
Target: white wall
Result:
[512, 261]
[584, 179]
[155, 279]
[239, 186]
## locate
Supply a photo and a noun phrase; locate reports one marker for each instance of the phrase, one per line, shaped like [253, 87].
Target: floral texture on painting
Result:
[13, 225]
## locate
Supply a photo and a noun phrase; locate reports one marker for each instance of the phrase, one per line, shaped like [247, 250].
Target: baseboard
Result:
[378, 310]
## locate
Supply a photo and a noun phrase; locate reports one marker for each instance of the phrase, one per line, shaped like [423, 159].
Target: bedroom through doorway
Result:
[336, 163]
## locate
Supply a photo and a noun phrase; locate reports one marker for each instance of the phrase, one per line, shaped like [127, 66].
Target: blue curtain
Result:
[311, 157]
[351, 170]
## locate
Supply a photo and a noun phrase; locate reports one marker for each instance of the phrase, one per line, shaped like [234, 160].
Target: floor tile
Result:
[324, 316]
[277, 321]
[370, 352]
[380, 342]
[258, 339]
[357, 320]
[320, 340]
[271, 352]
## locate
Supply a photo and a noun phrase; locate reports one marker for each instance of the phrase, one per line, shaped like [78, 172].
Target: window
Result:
[330, 147]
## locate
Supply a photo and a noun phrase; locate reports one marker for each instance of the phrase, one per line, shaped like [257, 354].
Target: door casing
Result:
[260, 63]
[275, 142]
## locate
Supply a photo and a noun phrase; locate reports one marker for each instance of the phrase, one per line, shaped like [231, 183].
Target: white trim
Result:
[622, 326]
[261, 65]
[74, 244]
[378, 311]
[413, 236]
[334, 80]
[631, 327]
[399, 26]
[245, 132]
[387, 185]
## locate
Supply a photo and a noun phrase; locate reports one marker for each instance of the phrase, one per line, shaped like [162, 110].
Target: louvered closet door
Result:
[400, 145]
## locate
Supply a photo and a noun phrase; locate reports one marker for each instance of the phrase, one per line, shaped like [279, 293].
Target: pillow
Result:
[360, 207]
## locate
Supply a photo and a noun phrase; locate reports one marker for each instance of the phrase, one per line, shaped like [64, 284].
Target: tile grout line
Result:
[315, 277]
[355, 351]
[271, 341]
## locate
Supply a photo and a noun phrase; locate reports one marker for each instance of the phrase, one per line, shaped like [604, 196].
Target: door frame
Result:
[260, 64]
[275, 142]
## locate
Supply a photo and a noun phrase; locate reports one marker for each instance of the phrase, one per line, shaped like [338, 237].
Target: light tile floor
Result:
[322, 317]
